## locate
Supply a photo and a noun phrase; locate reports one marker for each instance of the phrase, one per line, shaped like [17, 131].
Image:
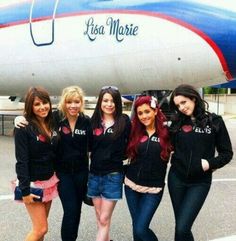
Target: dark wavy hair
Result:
[138, 130]
[200, 111]
[43, 95]
[119, 119]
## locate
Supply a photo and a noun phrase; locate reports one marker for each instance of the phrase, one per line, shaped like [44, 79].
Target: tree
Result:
[212, 90]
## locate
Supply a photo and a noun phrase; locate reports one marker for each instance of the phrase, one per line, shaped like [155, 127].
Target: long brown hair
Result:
[96, 118]
[200, 111]
[43, 95]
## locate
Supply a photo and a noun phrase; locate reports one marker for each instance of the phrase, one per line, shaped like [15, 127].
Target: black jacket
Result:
[148, 169]
[190, 146]
[35, 156]
[73, 147]
[108, 153]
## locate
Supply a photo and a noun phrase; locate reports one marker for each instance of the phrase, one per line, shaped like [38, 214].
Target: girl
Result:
[110, 135]
[196, 135]
[72, 158]
[149, 149]
[35, 148]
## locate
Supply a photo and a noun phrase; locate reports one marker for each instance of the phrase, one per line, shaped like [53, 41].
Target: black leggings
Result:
[187, 200]
[71, 188]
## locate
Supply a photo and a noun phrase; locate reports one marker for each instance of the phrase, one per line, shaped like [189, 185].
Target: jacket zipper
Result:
[147, 145]
[190, 162]
[145, 154]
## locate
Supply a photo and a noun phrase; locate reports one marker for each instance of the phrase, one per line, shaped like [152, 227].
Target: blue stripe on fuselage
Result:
[218, 24]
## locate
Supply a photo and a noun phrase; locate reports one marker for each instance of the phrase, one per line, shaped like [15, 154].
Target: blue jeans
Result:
[71, 188]
[187, 200]
[142, 207]
[109, 186]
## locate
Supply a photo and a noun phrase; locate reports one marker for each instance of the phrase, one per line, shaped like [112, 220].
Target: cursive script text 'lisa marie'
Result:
[113, 27]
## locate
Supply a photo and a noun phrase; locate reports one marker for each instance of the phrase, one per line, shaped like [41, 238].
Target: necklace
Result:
[107, 123]
[193, 119]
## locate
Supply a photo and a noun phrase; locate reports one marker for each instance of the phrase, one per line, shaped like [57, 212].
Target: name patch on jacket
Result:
[109, 130]
[42, 138]
[189, 128]
[206, 130]
[66, 130]
[155, 139]
[80, 132]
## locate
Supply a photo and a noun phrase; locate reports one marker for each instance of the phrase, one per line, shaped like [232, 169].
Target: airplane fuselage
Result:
[135, 45]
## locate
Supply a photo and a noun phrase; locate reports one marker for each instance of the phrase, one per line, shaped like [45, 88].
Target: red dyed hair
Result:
[138, 129]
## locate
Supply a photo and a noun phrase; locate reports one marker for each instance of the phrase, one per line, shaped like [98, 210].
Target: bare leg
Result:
[47, 206]
[104, 209]
[38, 213]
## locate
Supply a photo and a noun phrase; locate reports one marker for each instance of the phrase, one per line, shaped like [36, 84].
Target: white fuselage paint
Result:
[159, 55]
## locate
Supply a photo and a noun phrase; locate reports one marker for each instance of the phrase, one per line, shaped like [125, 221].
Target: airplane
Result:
[136, 45]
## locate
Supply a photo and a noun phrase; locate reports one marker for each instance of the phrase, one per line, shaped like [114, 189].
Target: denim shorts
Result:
[108, 186]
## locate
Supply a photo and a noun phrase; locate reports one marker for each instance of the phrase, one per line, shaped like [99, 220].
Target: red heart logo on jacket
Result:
[187, 128]
[144, 138]
[41, 138]
[97, 131]
[66, 130]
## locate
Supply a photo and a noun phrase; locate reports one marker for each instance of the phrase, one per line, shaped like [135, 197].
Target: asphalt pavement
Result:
[216, 221]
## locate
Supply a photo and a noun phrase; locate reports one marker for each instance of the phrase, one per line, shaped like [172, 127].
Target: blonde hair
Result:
[69, 93]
